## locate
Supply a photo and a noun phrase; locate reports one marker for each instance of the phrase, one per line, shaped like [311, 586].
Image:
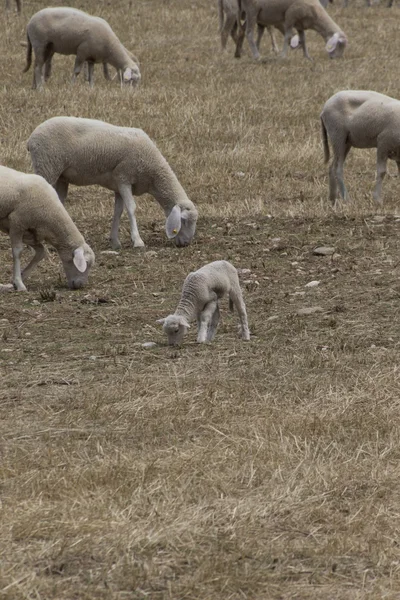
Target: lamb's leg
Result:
[61, 188]
[130, 205]
[237, 299]
[212, 328]
[40, 253]
[381, 163]
[204, 321]
[118, 209]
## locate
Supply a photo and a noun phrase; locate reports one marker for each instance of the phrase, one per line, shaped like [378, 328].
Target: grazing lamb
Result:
[360, 119]
[30, 213]
[201, 292]
[68, 150]
[71, 31]
[227, 13]
[19, 4]
[286, 15]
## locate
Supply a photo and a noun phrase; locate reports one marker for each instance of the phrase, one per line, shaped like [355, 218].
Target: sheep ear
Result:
[160, 321]
[80, 260]
[127, 74]
[294, 42]
[173, 222]
[332, 43]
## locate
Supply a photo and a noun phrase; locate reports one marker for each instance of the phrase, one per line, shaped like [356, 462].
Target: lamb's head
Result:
[336, 44]
[131, 75]
[181, 225]
[77, 265]
[175, 326]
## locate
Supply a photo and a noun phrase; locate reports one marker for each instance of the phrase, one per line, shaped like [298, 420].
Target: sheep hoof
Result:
[115, 244]
[138, 244]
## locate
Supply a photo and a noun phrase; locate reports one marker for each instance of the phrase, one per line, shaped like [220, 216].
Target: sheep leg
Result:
[38, 68]
[260, 33]
[302, 40]
[40, 253]
[336, 172]
[106, 72]
[237, 299]
[48, 55]
[118, 209]
[212, 328]
[126, 192]
[17, 248]
[90, 65]
[204, 321]
[274, 45]
[250, 24]
[61, 188]
[380, 174]
[77, 67]
[227, 29]
[286, 41]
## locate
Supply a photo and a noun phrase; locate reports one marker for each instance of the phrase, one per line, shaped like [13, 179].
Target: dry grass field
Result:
[261, 470]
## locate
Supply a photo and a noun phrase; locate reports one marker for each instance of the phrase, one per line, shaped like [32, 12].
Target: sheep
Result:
[200, 296]
[360, 119]
[68, 150]
[71, 31]
[30, 213]
[19, 4]
[227, 13]
[286, 15]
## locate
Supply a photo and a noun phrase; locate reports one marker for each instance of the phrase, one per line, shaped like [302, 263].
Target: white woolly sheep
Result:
[19, 4]
[227, 14]
[199, 301]
[68, 150]
[30, 213]
[360, 119]
[70, 31]
[289, 15]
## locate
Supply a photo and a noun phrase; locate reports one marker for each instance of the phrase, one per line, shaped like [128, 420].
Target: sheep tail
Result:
[325, 142]
[220, 15]
[28, 55]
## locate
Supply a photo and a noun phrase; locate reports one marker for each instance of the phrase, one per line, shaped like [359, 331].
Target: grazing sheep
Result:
[289, 14]
[227, 13]
[71, 31]
[30, 213]
[68, 150]
[19, 4]
[360, 119]
[201, 292]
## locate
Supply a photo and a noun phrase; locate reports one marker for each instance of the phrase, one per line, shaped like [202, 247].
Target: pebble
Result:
[7, 287]
[312, 284]
[109, 252]
[324, 250]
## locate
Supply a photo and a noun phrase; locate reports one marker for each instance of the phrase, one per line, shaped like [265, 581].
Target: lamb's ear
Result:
[185, 323]
[80, 260]
[332, 43]
[294, 42]
[173, 222]
[127, 74]
[160, 321]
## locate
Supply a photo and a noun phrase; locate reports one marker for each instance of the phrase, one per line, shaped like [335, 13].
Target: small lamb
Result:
[30, 213]
[289, 15]
[227, 14]
[70, 31]
[68, 150]
[200, 296]
[360, 119]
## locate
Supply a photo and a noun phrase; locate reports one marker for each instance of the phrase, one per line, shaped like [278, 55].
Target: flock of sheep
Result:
[69, 150]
